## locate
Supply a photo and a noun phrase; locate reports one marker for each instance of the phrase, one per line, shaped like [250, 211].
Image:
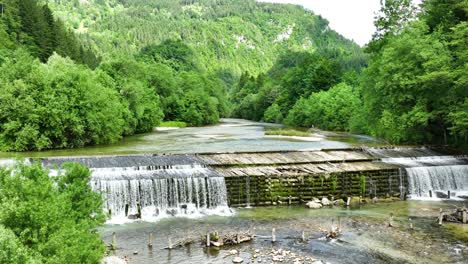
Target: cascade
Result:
[154, 192]
[436, 181]
[433, 177]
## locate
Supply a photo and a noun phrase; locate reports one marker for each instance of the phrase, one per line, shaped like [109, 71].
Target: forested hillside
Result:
[414, 89]
[33, 27]
[228, 37]
[122, 67]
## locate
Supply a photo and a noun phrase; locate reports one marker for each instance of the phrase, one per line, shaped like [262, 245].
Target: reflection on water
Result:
[228, 135]
[366, 236]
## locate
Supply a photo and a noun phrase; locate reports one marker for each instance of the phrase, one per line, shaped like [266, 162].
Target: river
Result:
[228, 135]
[366, 236]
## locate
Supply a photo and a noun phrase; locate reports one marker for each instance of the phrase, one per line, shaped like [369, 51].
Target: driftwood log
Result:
[231, 238]
[181, 243]
[458, 215]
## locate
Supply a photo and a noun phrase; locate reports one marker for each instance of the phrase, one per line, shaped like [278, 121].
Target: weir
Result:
[154, 186]
[435, 177]
[153, 192]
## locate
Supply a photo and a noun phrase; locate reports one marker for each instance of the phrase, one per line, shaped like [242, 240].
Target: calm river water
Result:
[228, 135]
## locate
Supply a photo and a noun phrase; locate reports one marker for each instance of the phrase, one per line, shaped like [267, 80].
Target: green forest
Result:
[78, 73]
[413, 88]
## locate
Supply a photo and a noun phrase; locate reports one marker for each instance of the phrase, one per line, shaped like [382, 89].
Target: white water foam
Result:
[436, 181]
[433, 177]
[158, 192]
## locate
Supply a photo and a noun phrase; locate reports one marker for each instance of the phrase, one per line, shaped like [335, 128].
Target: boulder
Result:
[113, 260]
[339, 202]
[314, 205]
[325, 201]
[237, 260]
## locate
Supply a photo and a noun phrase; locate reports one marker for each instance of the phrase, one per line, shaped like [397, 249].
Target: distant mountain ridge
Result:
[229, 36]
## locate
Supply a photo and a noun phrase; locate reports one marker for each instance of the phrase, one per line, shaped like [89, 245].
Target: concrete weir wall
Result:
[266, 190]
[265, 178]
[258, 178]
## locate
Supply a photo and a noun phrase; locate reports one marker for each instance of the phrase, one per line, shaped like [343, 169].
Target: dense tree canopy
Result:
[228, 37]
[47, 219]
[414, 89]
[56, 105]
[295, 77]
[30, 25]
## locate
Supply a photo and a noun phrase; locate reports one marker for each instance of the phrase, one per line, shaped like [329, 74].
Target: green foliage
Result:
[203, 99]
[55, 105]
[334, 183]
[228, 37]
[26, 24]
[296, 75]
[49, 219]
[393, 17]
[179, 124]
[175, 54]
[273, 114]
[412, 88]
[287, 132]
[444, 14]
[362, 185]
[11, 249]
[134, 81]
[329, 110]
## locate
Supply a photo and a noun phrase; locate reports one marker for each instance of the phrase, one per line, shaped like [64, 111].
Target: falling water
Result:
[155, 192]
[438, 180]
[432, 177]
[151, 193]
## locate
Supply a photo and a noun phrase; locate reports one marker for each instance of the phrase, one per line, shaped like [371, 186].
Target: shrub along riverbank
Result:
[47, 219]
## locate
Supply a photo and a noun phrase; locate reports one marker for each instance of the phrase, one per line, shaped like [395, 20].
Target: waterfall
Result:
[433, 177]
[155, 192]
[437, 181]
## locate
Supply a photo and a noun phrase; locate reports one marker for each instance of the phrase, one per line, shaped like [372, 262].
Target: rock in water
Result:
[339, 202]
[237, 260]
[113, 260]
[314, 205]
[325, 201]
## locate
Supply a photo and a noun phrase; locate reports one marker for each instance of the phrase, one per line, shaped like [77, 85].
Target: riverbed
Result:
[366, 236]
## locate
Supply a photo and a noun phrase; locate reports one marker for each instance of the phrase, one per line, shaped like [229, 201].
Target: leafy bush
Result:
[56, 105]
[11, 249]
[47, 219]
[331, 110]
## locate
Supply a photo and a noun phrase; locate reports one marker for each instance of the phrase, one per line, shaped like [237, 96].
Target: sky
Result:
[351, 18]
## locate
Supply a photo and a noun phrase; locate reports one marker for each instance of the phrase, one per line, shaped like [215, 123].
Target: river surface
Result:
[227, 136]
[366, 236]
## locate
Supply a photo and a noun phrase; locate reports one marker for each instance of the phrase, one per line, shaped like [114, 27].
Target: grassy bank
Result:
[179, 124]
[287, 132]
